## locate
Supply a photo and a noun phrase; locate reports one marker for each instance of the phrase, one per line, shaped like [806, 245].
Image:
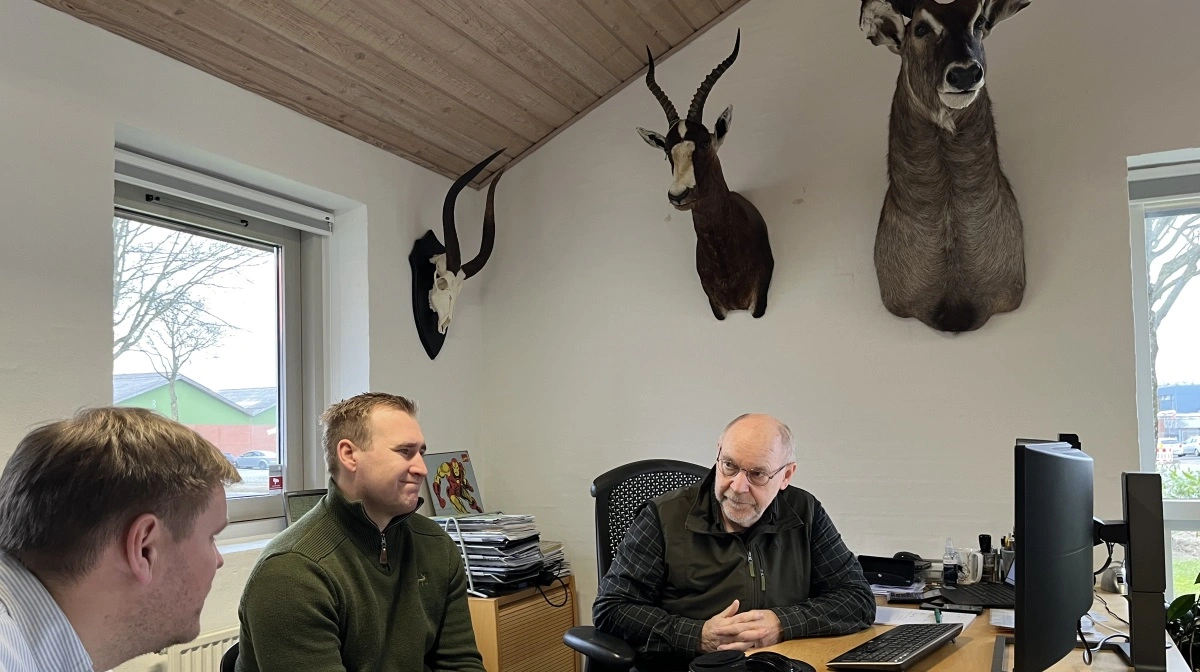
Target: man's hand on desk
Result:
[731, 631]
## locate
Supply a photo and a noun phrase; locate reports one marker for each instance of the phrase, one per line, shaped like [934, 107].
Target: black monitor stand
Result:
[1140, 534]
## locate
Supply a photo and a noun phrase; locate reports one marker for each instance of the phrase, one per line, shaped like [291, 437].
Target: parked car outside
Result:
[256, 459]
[1189, 447]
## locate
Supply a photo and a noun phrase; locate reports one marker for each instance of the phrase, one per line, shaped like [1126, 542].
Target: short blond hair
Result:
[348, 419]
[74, 486]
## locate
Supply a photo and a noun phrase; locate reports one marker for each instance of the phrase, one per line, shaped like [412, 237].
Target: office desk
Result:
[973, 649]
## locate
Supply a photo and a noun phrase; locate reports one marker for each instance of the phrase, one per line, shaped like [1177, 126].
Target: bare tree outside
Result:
[1173, 253]
[185, 329]
[155, 276]
[197, 328]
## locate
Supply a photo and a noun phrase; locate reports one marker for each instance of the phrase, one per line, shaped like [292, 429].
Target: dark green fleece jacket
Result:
[331, 593]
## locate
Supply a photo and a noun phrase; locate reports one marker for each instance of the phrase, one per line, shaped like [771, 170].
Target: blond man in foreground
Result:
[108, 523]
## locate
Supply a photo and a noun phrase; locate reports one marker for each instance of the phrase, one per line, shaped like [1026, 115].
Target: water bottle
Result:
[949, 565]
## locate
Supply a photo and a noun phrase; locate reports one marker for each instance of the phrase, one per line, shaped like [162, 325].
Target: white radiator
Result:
[203, 654]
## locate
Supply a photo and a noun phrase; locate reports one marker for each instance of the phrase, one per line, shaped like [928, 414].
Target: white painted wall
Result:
[600, 349]
[599, 346]
[65, 88]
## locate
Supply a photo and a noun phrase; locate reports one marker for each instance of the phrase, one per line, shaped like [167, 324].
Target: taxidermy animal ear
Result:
[724, 122]
[883, 21]
[653, 139]
[999, 10]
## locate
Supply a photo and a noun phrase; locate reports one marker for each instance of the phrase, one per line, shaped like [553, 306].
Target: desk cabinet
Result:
[522, 632]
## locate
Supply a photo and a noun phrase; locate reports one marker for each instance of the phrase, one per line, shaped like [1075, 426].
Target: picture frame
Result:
[453, 487]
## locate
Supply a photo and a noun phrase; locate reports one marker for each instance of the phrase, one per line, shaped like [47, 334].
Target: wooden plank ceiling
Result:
[442, 83]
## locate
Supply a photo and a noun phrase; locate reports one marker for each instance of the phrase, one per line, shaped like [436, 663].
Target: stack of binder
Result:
[555, 560]
[504, 552]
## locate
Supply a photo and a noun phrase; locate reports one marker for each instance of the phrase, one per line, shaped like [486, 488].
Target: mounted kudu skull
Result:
[733, 253]
[949, 248]
[438, 272]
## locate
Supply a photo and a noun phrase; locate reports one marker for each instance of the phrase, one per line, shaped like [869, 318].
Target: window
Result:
[1165, 217]
[207, 324]
[1166, 402]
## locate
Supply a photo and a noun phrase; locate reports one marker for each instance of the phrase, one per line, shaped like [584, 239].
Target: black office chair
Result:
[619, 492]
[229, 660]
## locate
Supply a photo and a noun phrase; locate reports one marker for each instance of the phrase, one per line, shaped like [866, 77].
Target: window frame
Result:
[300, 257]
[1178, 515]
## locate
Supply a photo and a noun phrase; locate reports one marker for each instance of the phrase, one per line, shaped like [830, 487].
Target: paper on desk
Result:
[1003, 618]
[1006, 619]
[915, 587]
[894, 616]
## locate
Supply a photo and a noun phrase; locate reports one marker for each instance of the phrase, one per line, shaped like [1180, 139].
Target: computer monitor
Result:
[1055, 532]
[1053, 550]
[298, 503]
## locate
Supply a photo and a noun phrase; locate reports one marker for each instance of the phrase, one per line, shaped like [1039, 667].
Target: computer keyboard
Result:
[996, 595]
[897, 648]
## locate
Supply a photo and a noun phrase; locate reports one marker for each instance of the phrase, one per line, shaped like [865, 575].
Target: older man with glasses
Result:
[735, 562]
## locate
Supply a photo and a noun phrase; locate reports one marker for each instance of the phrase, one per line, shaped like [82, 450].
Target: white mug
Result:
[970, 565]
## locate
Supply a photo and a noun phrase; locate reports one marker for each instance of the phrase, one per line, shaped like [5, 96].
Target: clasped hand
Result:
[731, 631]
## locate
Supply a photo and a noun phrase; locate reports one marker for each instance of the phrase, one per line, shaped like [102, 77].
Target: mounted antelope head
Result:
[438, 271]
[949, 249]
[733, 252]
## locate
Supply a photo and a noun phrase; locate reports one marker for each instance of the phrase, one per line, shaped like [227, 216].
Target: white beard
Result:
[446, 287]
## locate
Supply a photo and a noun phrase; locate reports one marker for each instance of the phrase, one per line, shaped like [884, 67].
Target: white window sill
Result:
[248, 536]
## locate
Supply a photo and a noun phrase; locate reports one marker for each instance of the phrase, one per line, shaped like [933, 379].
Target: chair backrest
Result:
[297, 503]
[229, 660]
[621, 491]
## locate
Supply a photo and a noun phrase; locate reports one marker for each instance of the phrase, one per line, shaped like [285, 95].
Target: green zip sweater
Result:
[333, 593]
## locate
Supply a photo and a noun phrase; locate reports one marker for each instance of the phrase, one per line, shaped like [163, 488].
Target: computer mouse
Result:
[907, 555]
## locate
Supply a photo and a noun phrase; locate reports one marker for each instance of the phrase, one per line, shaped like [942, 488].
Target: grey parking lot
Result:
[254, 482]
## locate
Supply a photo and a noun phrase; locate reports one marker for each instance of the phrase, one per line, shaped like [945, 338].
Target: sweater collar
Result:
[358, 526]
[705, 514]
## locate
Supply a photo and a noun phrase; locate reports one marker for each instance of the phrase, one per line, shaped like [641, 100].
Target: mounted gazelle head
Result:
[449, 271]
[689, 146]
[940, 43]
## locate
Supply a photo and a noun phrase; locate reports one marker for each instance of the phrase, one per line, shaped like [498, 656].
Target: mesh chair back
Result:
[621, 491]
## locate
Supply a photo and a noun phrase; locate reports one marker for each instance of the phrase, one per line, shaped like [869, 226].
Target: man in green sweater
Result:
[362, 583]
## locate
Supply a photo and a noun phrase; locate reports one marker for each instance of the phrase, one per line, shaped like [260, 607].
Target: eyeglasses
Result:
[756, 476]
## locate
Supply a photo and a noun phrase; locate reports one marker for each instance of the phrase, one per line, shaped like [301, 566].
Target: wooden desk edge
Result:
[973, 650]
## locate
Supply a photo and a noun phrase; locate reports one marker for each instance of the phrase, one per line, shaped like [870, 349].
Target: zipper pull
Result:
[762, 575]
[383, 559]
[750, 560]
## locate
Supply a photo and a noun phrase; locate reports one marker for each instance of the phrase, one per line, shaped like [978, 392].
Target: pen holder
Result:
[991, 567]
[1006, 560]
